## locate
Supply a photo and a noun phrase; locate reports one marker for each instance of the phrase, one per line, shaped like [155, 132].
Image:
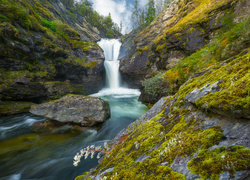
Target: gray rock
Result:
[82, 110]
[180, 165]
[22, 81]
[198, 93]
[142, 158]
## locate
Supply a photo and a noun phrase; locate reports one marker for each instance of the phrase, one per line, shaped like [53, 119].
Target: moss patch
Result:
[234, 90]
[211, 163]
[14, 107]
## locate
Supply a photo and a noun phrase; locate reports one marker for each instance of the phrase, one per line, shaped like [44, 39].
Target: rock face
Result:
[82, 110]
[133, 53]
[46, 55]
[202, 132]
[176, 34]
[87, 33]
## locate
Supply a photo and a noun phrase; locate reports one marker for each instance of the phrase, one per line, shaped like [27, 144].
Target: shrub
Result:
[155, 85]
[49, 24]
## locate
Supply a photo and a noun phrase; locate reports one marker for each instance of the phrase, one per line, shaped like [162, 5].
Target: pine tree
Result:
[108, 23]
[121, 26]
[135, 17]
[150, 13]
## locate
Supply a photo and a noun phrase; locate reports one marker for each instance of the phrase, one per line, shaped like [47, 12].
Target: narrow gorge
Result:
[170, 100]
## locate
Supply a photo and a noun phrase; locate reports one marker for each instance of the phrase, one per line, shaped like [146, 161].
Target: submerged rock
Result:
[78, 109]
[55, 127]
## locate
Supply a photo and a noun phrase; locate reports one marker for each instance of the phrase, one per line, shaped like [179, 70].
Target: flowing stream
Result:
[25, 155]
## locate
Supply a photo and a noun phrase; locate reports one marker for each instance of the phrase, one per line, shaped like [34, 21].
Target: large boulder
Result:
[77, 109]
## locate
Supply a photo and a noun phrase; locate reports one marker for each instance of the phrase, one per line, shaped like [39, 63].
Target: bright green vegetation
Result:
[51, 34]
[189, 15]
[209, 164]
[182, 137]
[226, 42]
[82, 176]
[223, 45]
[234, 87]
[154, 85]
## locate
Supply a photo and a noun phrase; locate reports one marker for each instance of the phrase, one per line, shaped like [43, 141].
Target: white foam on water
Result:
[30, 121]
[15, 177]
[118, 92]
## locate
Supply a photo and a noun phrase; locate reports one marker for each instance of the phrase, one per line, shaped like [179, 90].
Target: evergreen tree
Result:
[108, 23]
[142, 19]
[135, 17]
[121, 26]
[150, 13]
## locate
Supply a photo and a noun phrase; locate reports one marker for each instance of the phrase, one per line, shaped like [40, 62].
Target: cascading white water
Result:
[111, 48]
[111, 51]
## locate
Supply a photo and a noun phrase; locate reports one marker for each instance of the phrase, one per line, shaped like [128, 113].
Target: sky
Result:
[120, 11]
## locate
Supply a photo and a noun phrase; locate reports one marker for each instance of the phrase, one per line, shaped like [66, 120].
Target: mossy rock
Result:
[14, 107]
[57, 89]
[211, 163]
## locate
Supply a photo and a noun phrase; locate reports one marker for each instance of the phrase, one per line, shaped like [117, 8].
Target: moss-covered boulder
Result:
[55, 127]
[77, 109]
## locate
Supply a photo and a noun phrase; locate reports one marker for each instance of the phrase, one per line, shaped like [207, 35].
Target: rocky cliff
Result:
[202, 130]
[47, 50]
[182, 29]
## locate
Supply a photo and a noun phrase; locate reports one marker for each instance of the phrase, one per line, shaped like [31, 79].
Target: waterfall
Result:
[111, 52]
[111, 48]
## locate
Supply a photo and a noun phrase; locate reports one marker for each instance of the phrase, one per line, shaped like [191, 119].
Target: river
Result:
[25, 155]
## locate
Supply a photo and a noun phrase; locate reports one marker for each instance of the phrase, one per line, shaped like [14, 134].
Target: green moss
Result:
[211, 163]
[14, 107]
[49, 24]
[234, 88]
[190, 15]
[3, 18]
[182, 136]
[209, 55]
[92, 64]
[60, 89]
[160, 144]
[81, 176]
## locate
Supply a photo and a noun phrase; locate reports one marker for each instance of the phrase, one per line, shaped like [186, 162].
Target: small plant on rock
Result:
[156, 85]
[91, 150]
